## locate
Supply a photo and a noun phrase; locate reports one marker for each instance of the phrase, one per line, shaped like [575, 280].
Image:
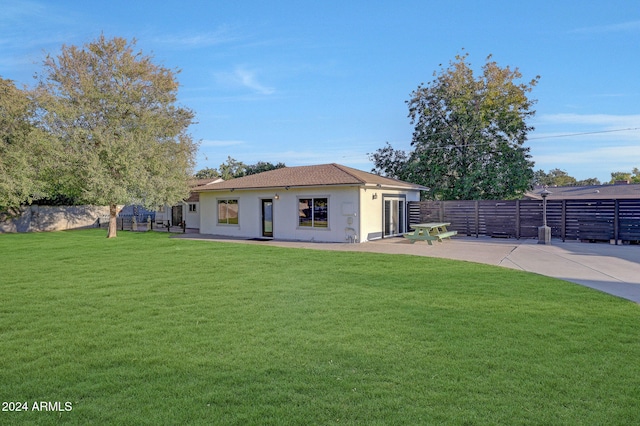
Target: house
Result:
[322, 203]
[188, 210]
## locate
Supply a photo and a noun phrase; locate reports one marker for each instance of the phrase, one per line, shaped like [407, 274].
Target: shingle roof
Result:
[194, 183]
[194, 196]
[623, 191]
[305, 176]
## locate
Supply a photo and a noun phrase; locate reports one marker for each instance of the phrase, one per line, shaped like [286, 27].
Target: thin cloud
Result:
[248, 79]
[28, 24]
[304, 158]
[242, 77]
[587, 145]
[605, 121]
[219, 143]
[623, 27]
[596, 162]
[222, 35]
[621, 156]
[21, 11]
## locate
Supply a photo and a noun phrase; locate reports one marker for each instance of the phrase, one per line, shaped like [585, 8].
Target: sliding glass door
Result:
[394, 215]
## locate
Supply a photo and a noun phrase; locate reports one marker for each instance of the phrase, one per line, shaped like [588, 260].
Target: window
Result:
[192, 208]
[228, 212]
[313, 212]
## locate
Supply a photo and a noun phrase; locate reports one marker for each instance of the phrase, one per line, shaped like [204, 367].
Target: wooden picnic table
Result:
[433, 231]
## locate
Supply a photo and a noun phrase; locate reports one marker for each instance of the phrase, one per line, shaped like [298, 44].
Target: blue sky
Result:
[312, 82]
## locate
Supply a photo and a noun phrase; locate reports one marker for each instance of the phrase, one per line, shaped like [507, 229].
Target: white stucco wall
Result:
[354, 214]
[372, 208]
[343, 213]
[192, 219]
[371, 214]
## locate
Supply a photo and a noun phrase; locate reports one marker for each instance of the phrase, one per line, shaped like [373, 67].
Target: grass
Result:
[145, 329]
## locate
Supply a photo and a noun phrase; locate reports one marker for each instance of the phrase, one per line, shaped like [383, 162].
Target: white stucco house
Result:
[323, 203]
[187, 210]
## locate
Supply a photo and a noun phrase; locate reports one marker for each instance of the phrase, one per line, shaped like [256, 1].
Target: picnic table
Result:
[434, 231]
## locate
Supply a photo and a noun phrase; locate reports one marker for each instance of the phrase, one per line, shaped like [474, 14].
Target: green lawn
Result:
[145, 329]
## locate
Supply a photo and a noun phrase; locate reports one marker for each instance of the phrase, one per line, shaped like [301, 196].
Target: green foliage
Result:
[390, 162]
[589, 182]
[21, 150]
[262, 166]
[469, 133]
[122, 138]
[207, 173]
[233, 168]
[555, 177]
[633, 177]
[130, 332]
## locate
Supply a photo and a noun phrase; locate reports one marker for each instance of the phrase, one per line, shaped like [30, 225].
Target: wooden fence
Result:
[592, 220]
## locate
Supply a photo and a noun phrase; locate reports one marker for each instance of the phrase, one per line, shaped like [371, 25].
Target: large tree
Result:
[22, 150]
[115, 113]
[469, 133]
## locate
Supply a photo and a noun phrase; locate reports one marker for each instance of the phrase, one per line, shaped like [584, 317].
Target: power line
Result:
[585, 133]
[452, 146]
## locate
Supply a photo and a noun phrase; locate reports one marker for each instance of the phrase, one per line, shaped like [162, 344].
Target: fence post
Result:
[477, 207]
[517, 219]
[616, 221]
[564, 220]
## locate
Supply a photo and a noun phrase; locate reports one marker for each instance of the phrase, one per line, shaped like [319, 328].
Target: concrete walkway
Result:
[605, 267]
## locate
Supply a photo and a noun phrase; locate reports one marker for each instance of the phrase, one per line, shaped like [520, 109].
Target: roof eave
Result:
[282, 187]
[287, 187]
[397, 187]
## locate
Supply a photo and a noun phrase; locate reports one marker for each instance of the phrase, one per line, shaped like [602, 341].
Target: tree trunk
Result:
[113, 224]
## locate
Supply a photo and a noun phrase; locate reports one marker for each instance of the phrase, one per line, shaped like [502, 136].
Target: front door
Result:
[267, 218]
